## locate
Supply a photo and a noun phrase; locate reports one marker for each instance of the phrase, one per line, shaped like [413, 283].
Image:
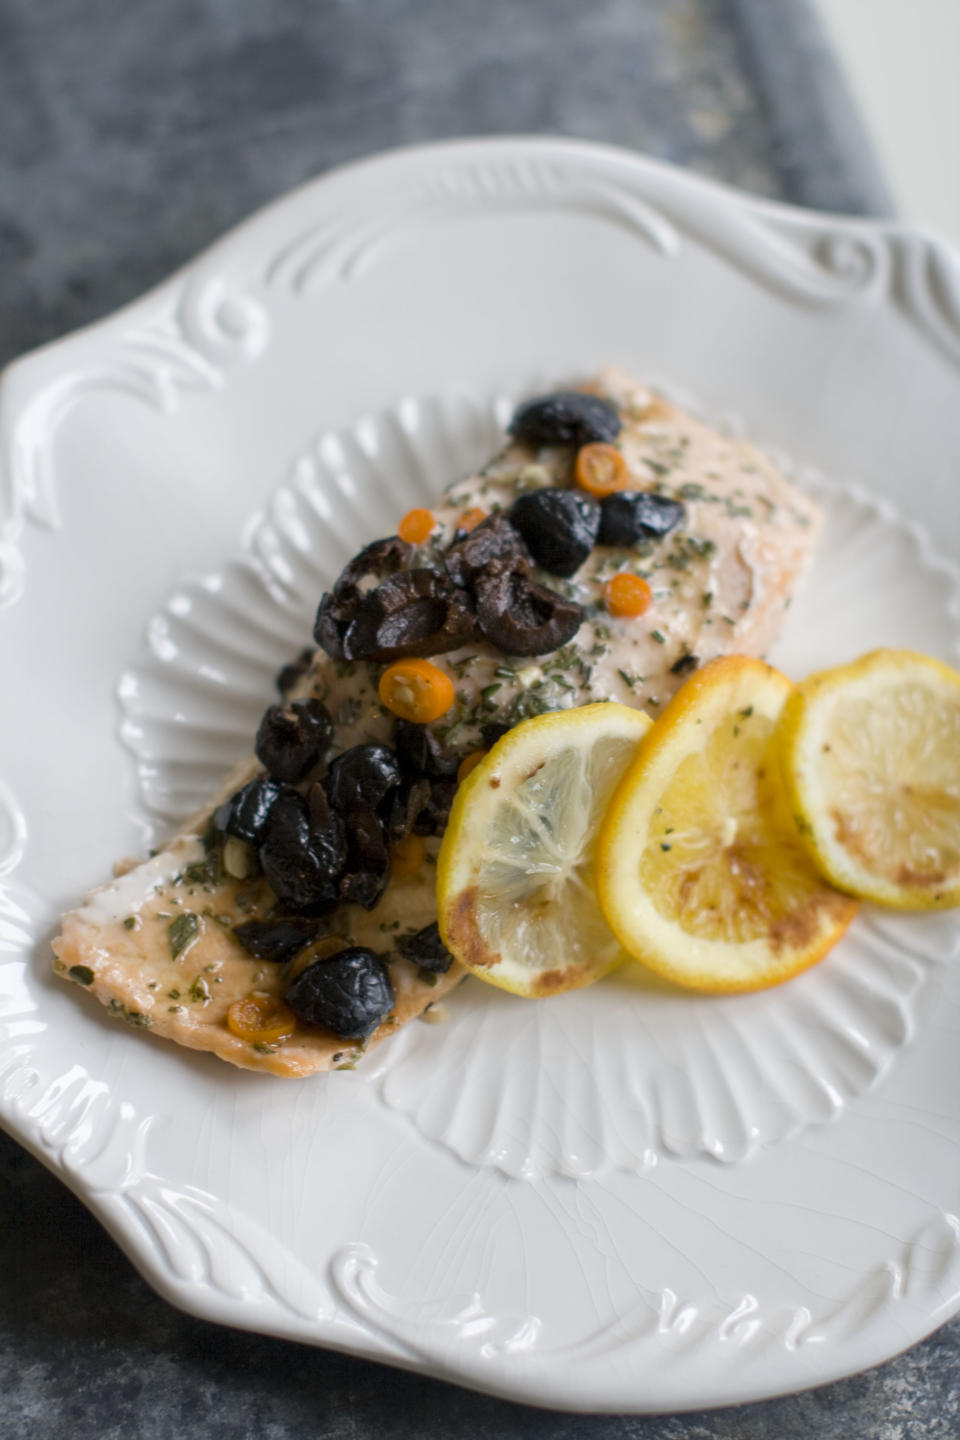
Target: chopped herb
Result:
[488, 692]
[173, 994]
[505, 673]
[747, 712]
[665, 846]
[182, 932]
[130, 923]
[132, 1017]
[81, 973]
[199, 991]
[728, 620]
[660, 638]
[707, 599]
[262, 1048]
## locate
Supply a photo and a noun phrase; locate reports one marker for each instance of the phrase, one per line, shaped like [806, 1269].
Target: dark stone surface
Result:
[131, 135]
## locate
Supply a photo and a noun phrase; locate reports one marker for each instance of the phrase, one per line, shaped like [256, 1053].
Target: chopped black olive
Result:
[295, 671]
[521, 617]
[420, 752]
[494, 539]
[560, 527]
[426, 949]
[567, 417]
[684, 665]
[419, 612]
[277, 940]
[633, 515]
[432, 818]
[293, 738]
[368, 860]
[350, 993]
[362, 778]
[245, 813]
[303, 865]
[337, 609]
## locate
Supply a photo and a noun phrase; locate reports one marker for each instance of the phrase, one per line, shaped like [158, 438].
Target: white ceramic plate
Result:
[618, 1200]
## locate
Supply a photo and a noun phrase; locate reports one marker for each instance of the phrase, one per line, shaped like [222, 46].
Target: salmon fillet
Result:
[156, 945]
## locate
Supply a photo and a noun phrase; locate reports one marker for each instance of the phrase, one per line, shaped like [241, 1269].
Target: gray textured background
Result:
[132, 133]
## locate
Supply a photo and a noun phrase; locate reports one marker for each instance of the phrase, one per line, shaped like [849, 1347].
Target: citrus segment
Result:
[871, 757]
[699, 871]
[515, 892]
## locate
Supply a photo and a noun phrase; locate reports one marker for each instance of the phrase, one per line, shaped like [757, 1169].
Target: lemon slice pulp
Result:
[871, 758]
[515, 892]
[699, 870]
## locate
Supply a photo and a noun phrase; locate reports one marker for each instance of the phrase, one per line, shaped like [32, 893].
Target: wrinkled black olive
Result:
[418, 612]
[684, 665]
[368, 860]
[567, 417]
[338, 607]
[560, 526]
[494, 539]
[522, 618]
[420, 752]
[245, 813]
[293, 738]
[493, 731]
[633, 515]
[277, 940]
[350, 993]
[426, 949]
[303, 865]
[362, 778]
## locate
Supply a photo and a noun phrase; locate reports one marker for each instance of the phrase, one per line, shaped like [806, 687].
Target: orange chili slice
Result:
[406, 856]
[627, 595]
[468, 763]
[416, 525]
[471, 518]
[416, 690]
[601, 470]
[261, 1019]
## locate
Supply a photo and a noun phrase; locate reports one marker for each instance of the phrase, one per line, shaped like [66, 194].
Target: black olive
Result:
[494, 539]
[293, 738]
[350, 993]
[368, 859]
[522, 618]
[633, 515]
[407, 804]
[432, 818]
[418, 612]
[303, 865]
[493, 731]
[337, 609]
[426, 949]
[560, 526]
[277, 940]
[362, 778]
[421, 753]
[295, 671]
[684, 665]
[245, 813]
[568, 417]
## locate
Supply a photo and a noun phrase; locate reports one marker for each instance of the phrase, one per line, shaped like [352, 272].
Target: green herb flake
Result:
[199, 991]
[660, 638]
[182, 932]
[130, 923]
[81, 973]
[665, 846]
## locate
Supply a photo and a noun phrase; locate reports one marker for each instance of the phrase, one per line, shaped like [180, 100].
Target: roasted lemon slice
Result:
[699, 869]
[871, 755]
[515, 893]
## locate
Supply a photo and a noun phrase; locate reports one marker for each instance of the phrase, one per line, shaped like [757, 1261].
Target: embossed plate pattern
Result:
[517, 1240]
